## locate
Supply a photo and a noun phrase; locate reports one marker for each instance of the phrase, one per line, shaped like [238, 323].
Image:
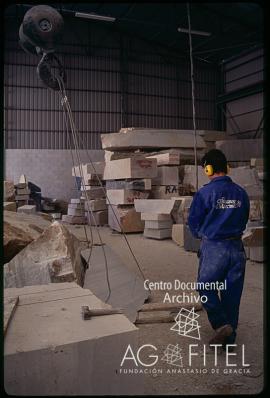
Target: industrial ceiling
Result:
[233, 27]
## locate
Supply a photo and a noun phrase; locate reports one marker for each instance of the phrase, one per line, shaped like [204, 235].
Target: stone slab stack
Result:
[76, 212]
[127, 179]
[22, 195]
[157, 215]
[91, 208]
[166, 184]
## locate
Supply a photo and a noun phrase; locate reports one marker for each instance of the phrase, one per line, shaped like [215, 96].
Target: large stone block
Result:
[128, 218]
[124, 196]
[160, 206]
[10, 206]
[138, 185]
[93, 192]
[49, 349]
[139, 138]
[137, 167]
[158, 233]
[53, 257]
[97, 217]
[169, 158]
[88, 168]
[155, 217]
[20, 230]
[96, 205]
[164, 192]
[157, 224]
[167, 175]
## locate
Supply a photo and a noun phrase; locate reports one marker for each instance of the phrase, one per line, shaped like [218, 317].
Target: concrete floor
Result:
[165, 261]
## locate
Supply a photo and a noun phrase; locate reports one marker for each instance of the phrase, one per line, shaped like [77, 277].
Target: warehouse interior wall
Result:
[53, 173]
[244, 98]
[113, 81]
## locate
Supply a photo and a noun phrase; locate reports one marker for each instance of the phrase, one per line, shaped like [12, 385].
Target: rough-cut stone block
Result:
[94, 192]
[74, 219]
[190, 243]
[9, 191]
[167, 175]
[168, 158]
[53, 257]
[19, 230]
[75, 212]
[124, 196]
[95, 205]
[155, 224]
[158, 233]
[137, 167]
[88, 168]
[28, 209]
[139, 138]
[164, 192]
[139, 185]
[160, 206]
[241, 149]
[97, 217]
[10, 206]
[155, 217]
[256, 253]
[128, 218]
[178, 234]
[51, 350]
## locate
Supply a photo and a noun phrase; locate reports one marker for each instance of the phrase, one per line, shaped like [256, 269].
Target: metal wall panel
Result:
[157, 93]
[244, 116]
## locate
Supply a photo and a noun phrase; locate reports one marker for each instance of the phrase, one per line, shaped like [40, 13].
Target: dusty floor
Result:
[165, 261]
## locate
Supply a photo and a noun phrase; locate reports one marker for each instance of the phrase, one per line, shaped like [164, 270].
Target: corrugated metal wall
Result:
[245, 115]
[113, 82]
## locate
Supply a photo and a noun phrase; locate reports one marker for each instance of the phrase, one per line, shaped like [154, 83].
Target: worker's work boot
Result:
[221, 334]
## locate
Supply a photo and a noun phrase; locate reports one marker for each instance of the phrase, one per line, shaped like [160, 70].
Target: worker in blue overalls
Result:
[218, 216]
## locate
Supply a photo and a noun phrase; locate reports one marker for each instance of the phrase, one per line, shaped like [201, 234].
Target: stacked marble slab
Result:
[127, 179]
[91, 207]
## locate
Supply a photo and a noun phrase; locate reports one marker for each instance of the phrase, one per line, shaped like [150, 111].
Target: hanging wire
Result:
[192, 94]
[75, 137]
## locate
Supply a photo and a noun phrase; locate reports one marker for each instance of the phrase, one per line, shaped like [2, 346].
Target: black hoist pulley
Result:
[39, 34]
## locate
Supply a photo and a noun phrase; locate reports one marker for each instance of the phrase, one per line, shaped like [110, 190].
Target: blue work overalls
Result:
[218, 216]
